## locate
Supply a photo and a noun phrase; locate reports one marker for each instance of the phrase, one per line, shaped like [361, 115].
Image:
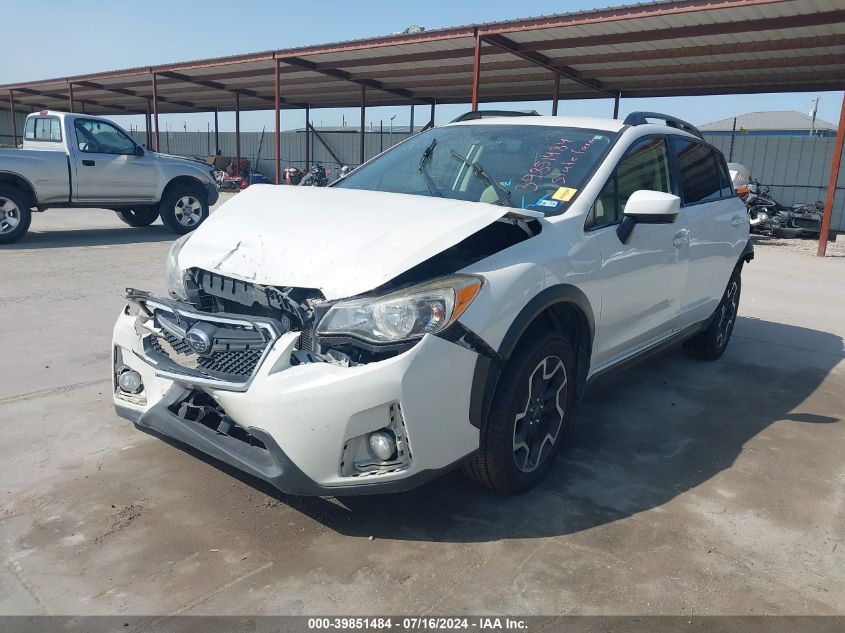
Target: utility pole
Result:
[813, 115]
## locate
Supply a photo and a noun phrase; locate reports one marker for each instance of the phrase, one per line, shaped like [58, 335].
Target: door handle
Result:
[737, 221]
[88, 163]
[681, 238]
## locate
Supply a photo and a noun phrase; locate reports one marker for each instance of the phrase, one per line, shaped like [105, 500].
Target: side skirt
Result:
[630, 361]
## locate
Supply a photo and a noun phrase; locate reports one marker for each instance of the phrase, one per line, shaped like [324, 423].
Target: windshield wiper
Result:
[429, 181]
[503, 195]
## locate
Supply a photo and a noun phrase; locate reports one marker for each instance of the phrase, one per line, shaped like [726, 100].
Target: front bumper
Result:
[305, 416]
[212, 193]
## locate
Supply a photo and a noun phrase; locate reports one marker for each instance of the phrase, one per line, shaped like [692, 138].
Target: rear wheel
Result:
[138, 217]
[183, 209]
[528, 417]
[712, 342]
[15, 215]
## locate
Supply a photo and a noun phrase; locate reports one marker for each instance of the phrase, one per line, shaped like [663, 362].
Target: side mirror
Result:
[139, 151]
[648, 207]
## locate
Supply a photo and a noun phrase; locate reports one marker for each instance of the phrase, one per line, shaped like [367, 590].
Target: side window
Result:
[43, 129]
[700, 181]
[102, 138]
[644, 166]
[724, 177]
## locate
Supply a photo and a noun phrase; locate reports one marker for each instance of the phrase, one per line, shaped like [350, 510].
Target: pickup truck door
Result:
[106, 166]
[642, 281]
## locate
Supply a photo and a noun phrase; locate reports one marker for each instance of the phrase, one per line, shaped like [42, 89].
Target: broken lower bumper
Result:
[303, 427]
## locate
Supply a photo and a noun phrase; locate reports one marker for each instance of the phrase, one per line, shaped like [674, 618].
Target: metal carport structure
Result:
[671, 48]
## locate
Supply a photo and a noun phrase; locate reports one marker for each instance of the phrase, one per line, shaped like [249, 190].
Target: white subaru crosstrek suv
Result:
[447, 303]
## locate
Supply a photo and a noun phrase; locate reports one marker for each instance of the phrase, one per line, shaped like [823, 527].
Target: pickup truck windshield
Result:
[524, 166]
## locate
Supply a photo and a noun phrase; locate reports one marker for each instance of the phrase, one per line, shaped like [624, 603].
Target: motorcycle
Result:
[317, 176]
[767, 216]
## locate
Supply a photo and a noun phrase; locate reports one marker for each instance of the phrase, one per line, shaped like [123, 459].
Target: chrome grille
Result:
[229, 356]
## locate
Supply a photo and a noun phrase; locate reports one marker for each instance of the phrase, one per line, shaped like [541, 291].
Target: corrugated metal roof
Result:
[674, 47]
[760, 121]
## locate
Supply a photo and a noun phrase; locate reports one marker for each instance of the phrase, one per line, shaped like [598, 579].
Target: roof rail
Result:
[641, 118]
[487, 114]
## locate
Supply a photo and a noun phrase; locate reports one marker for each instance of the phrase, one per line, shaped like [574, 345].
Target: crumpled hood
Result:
[340, 241]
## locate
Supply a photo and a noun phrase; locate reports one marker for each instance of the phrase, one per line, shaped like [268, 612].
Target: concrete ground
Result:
[689, 487]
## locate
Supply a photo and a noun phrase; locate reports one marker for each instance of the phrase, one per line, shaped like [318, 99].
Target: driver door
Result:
[643, 281]
[107, 169]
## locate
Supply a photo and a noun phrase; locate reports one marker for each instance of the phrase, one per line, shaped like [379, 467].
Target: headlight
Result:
[175, 277]
[405, 315]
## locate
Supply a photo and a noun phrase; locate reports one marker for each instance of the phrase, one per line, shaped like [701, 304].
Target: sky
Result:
[99, 35]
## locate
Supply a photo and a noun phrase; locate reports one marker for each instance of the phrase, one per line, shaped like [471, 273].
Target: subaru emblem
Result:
[198, 340]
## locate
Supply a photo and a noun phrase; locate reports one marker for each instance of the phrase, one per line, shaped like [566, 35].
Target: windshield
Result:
[523, 166]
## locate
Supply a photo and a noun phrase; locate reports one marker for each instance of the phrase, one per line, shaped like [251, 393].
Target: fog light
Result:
[383, 445]
[130, 381]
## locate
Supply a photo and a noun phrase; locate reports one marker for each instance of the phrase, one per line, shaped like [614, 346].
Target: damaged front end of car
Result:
[315, 395]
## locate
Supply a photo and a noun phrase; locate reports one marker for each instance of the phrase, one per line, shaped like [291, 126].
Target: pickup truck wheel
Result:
[138, 217]
[183, 209]
[528, 417]
[15, 215]
[712, 342]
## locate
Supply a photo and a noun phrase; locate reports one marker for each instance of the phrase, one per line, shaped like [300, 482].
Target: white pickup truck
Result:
[76, 160]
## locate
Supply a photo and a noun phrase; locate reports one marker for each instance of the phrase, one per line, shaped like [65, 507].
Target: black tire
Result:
[15, 215]
[786, 232]
[712, 342]
[138, 217]
[174, 207]
[514, 417]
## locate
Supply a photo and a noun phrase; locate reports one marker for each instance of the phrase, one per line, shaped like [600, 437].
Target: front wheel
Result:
[183, 209]
[712, 342]
[528, 417]
[138, 217]
[15, 215]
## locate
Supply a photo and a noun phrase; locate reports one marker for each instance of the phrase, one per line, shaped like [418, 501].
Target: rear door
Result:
[717, 222]
[106, 166]
[643, 280]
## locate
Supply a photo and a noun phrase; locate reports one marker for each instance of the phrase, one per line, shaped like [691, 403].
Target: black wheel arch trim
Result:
[488, 369]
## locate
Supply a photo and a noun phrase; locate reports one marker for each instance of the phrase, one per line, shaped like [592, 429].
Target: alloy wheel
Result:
[10, 216]
[188, 211]
[537, 427]
[727, 314]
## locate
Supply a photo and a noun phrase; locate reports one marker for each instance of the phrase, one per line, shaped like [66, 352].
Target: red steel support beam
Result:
[308, 138]
[14, 122]
[237, 133]
[156, 137]
[70, 96]
[148, 121]
[831, 184]
[362, 137]
[476, 70]
[277, 153]
[556, 94]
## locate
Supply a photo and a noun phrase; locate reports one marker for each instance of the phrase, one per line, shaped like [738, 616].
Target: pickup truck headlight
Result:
[175, 277]
[404, 315]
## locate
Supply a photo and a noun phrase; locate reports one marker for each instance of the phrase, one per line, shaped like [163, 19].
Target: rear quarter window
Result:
[699, 169]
